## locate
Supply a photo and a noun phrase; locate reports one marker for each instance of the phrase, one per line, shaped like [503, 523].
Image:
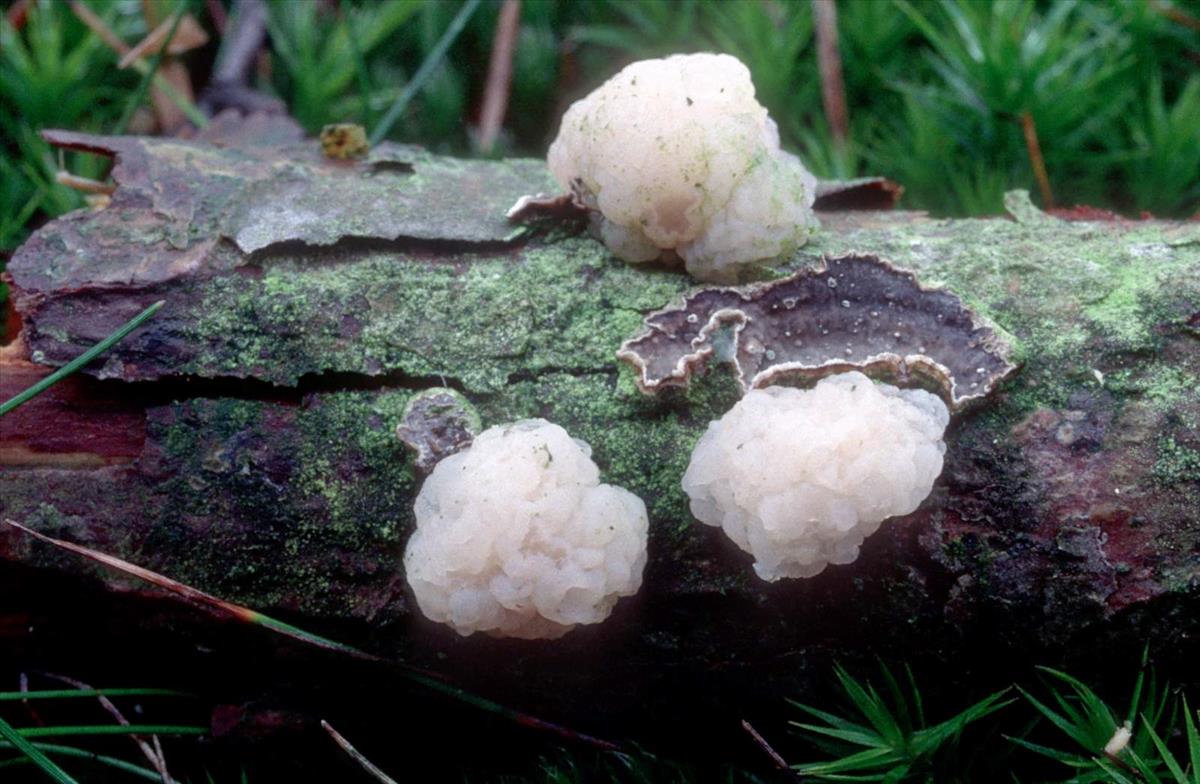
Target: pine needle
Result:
[222, 608]
[432, 61]
[82, 360]
[34, 754]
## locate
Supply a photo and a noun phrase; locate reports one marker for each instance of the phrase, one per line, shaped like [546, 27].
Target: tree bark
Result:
[243, 441]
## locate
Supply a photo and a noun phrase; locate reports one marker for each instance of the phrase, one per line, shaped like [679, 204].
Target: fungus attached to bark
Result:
[677, 155]
[437, 423]
[516, 537]
[798, 478]
[856, 312]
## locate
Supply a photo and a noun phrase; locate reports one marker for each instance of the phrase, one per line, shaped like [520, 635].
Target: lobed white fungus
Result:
[678, 155]
[516, 536]
[798, 478]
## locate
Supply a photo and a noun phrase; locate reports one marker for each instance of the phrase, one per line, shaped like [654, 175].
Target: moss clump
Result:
[477, 318]
[1176, 464]
[636, 441]
[278, 493]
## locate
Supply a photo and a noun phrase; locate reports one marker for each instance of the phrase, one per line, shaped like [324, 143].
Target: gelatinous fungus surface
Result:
[857, 312]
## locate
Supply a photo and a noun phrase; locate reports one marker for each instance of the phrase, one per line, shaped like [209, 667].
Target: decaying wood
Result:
[244, 441]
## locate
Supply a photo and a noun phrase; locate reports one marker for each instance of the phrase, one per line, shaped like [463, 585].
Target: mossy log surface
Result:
[243, 442]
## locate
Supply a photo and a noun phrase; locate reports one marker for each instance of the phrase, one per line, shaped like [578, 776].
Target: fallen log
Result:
[243, 441]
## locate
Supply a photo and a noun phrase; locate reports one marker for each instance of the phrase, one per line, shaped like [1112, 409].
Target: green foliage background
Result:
[935, 87]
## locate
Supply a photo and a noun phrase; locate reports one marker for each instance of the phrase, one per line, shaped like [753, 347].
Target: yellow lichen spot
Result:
[344, 140]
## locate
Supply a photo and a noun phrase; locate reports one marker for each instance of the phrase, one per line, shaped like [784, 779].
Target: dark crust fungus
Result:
[865, 193]
[574, 207]
[857, 312]
[437, 423]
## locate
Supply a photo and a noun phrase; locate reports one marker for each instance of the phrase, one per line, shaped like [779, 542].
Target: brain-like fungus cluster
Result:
[515, 534]
[516, 537]
[679, 158]
[798, 478]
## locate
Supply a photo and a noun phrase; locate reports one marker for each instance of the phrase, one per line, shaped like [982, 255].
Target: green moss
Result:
[1077, 296]
[533, 334]
[1137, 288]
[639, 443]
[477, 318]
[1176, 464]
[289, 496]
[346, 438]
[1166, 387]
[280, 492]
[1071, 296]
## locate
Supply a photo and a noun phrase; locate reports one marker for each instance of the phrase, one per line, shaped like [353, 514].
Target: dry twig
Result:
[356, 755]
[499, 78]
[779, 761]
[154, 755]
[1036, 160]
[829, 62]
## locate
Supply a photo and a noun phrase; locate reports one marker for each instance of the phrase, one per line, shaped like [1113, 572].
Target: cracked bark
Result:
[244, 441]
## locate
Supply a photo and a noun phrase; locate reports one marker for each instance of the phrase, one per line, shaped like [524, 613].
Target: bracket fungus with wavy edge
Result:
[856, 312]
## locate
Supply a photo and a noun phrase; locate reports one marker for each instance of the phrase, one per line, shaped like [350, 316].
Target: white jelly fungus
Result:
[798, 478]
[677, 155]
[516, 537]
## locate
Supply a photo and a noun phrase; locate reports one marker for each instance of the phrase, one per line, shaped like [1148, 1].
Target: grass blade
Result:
[1115, 775]
[34, 754]
[360, 66]
[1193, 740]
[1164, 753]
[903, 713]
[111, 729]
[432, 61]
[862, 761]
[58, 694]
[872, 708]
[829, 718]
[1135, 702]
[1067, 758]
[139, 94]
[926, 741]
[82, 360]
[1066, 725]
[100, 759]
[1092, 713]
[857, 737]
